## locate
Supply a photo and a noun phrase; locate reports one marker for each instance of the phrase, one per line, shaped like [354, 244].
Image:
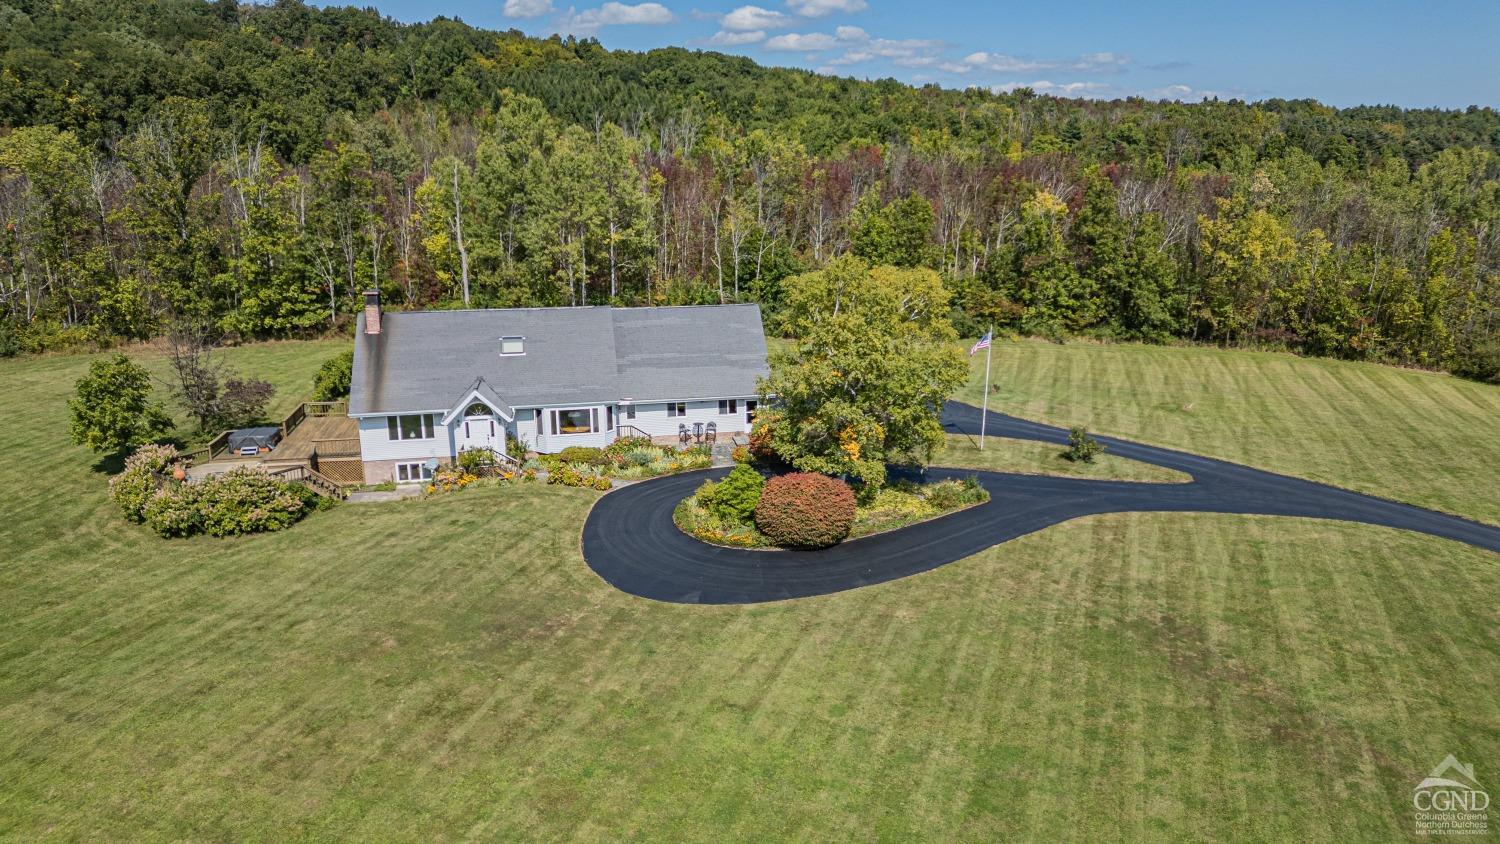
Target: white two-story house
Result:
[430, 384]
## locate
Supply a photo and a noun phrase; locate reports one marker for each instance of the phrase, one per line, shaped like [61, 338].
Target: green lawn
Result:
[450, 668]
[1033, 458]
[1419, 437]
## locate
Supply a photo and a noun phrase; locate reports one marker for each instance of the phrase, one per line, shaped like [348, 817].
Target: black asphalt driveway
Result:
[630, 541]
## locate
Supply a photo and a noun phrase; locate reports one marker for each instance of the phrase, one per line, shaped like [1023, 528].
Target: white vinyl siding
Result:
[412, 426]
[658, 419]
[375, 442]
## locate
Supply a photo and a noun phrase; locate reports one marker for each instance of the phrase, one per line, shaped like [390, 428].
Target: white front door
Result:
[480, 429]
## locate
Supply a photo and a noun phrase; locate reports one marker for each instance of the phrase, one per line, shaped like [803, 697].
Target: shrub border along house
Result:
[585, 467]
[705, 516]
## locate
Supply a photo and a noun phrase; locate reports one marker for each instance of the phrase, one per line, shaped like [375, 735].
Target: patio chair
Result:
[683, 434]
[711, 435]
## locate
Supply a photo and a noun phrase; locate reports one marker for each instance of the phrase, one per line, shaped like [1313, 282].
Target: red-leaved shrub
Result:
[805, 510]
[760, 443]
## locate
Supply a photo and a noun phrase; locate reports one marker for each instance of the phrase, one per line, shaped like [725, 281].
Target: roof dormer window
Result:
[512, 345]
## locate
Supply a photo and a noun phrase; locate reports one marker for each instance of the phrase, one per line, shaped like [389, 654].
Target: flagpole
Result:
[985, 415]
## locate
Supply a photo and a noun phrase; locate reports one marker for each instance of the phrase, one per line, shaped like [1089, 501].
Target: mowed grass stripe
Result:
[1400, 434]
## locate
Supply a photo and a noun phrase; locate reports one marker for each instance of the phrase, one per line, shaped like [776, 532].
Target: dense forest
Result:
[255, 167]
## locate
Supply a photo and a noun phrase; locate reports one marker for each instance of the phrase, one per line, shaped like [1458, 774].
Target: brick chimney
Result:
[372, 311]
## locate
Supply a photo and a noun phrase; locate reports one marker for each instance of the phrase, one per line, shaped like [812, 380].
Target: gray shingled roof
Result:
[429, 360]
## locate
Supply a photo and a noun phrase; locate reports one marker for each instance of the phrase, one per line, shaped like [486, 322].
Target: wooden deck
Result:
[328, 434]
[319, 447]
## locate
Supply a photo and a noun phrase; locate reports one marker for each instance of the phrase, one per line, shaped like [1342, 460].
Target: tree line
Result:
[256, 167]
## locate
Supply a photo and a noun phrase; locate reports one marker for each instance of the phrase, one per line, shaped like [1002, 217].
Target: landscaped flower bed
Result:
[628, 458]
[807, 511]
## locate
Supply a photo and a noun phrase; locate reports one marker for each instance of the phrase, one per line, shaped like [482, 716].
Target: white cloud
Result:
[616, 14]
[751, 18]
[1186, 93]
[1060, 89]
[805, 42]
[527, 8]
[735, 39]
[1101, 61]
[905, 52]
[1105, 90]
[823, 8]
[1002, 63]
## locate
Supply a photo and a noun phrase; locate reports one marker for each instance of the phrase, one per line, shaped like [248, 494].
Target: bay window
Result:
[575, 421]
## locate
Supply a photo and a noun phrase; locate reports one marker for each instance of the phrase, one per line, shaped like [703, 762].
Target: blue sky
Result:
[1343, 52]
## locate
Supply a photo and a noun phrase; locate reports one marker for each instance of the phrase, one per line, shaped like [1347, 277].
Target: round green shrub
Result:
[734, 498]
[332, 380]
[805, 510]
[581, 454]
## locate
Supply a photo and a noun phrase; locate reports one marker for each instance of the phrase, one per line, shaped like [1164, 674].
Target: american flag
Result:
[984, 343]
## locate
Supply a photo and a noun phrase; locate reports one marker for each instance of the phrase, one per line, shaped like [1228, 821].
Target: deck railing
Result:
[311, 408]
[339, 447]
[216, 446]
[623, 431]
[220, 444]
[312, 478]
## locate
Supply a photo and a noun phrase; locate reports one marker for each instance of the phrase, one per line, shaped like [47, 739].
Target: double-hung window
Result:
[728, 406]
[676, 408]
[415, 426]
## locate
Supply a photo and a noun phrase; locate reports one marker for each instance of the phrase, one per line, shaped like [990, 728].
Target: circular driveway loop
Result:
[630, 541]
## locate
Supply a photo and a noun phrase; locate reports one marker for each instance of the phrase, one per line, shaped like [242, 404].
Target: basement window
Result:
[512, 345]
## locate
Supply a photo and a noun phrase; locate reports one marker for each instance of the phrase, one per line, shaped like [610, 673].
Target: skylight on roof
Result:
[512, 345]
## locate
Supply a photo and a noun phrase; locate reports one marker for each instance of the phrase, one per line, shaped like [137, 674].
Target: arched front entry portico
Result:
[480, 427]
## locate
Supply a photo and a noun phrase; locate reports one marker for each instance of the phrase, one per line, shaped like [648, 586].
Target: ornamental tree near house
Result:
[866, 381]
[113, 409]
[205, 385]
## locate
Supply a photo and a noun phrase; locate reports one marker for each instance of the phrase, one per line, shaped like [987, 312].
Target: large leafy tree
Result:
[275, 289]
[113, 409]
[866, 381]
[899, 234]
[171, 216]
[1057, 295]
